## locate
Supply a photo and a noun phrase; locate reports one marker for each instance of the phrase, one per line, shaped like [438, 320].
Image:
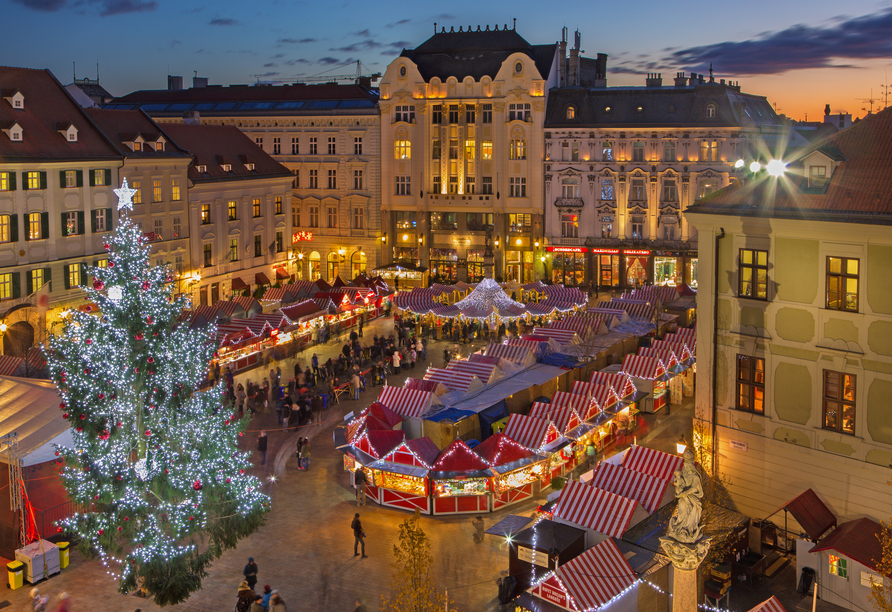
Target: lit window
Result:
[817, 177]
[750, 384]
[709, 150]
[70, 178]
[5, 286]
[710, 110]
[233, 249]
[232, 211]
[469, 150]
[5, 225]
[486, 149]
[278, 205]
[607, 191]
[137, 195]
[842, 283]
[5, 181]
[838, 566]
[518, 149]
[569, 226]
[74, 276]
[33, 180]
[839, 401]
[35, 279]
[156, 191]
[205, 214]
[255, 207]
[99, 178]
[175, 189]
[753, 274]
[571, 112]
[35, 227]
[403, 149]
[607, 151]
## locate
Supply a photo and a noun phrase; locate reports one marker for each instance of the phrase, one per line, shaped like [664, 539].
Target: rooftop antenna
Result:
[97, 72]
[435, 27]
[869, 100]
[885, 89]
[74, 70]
[514, 26]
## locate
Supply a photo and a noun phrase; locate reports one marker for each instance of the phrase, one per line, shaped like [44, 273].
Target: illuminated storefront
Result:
[475, 265]
[519, 266]
[666, 271]
[444, 265]
[568, 265]
[606, 263]
[636, 266]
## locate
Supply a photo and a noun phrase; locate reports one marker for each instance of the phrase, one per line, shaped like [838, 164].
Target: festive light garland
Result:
[154, 461]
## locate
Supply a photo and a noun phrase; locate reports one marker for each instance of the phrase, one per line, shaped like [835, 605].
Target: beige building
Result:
[462, 152]
[796, 270]
[327, 135]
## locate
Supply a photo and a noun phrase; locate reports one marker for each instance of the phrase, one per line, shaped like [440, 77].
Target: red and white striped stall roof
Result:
[454, 379]
[483, 371]
[653, 462]
[540, 310]
[595, 577]
[593, 508]
[581, 325]
[603, 395]
[620, 382]
[563, 336]
[571, 295]
[664, 293]
[689, 341]
[666, 355]
[647, 368]
[537, 285]
[636, 311]
[565, 418]
[10, 365]
[645, 489]
[686, 332]
[406, 402]
[515, 354]
[770, 605]
[258, 326]
[276, 320]
[530, 344]
[418, 301]
[273, 294]
[530, 432]
[421, 385]
[226, 308]
[680, 348]
[579, 402]
[234, 334]
[248, 303]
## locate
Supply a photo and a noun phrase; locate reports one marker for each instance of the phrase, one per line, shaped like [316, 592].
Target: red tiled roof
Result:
[249, 94]
[207, 142]
[121, 126]
[47, 104]
[858, 540]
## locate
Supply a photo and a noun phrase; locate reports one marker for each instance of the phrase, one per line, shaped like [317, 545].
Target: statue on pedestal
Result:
[684, 543]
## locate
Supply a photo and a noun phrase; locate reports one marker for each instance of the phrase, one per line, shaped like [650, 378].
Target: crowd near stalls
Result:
[500, 425]
[288, 318]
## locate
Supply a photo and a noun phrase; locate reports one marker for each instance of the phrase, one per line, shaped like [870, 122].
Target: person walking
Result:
[267, 594]
[396, 362]
[246, 597]
[261, 446]
[413, 355]
[286, 412]
[305, 453]
[315, 363]
[300, 447]
[478, 529]
[250, 573]
[240, 397]
[361, 480]
[355, 384]
[358, 536]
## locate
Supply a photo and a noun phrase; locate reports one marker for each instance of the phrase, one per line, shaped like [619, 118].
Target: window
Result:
[137, 187]
[519, 222]
[670, 191]
[751, 384]
[295, 215]
[295, 184]
[5, 228]
[233, 210]
[277, 145]
[402, 149]
[5, 286]
[569, 226]
[74, 276]
[710, 110]
[7, 181]
[314, 216]
[258, 140]
[517, 187]
[438, 183]
[33, 180]
[357, 179]
[838, 566]
[817, 177]
[669, 231]
[35, 226]
[159, 229]
[233, 249]
[332, 217]
[470, 114]
[470, 150]
[435, 150]
[99, 224]
[570, 188]
[606, 227]
[518, 149]
[175, 189]
[453, 183]
[753, 274]
[357, 145]
[669, 152]
[518, 112]
[156, 190]
[437, 114]
[444, 221]
[314, 179]
[207, 255]
[36, 279]
[487, 113]
[486, 149]
[205, 214]
[607, 151]
[709, 150]
[870, 580]
[405, 219]
[405, 113]
[402, 185]
[278, 202]
[571, 112]
[358, 218]
[332, 145]
[313, 145]
[453, 149]
[295, 146]
[707, 187]
[332, 179]
[258, 246]
[478, 222]
[607, 191]
[255, 207]
[70, 178]
[177, 227]
[280, 242]
[637, 227]
[839, 401]
[842, 283]
[99, 178]
[453, 113]
[637, 192]
[638, 152]
[470, 184]
[70, 223]
[574, 151]
[486, 186]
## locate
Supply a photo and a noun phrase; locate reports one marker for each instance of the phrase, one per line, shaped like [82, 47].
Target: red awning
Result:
[238, 284]
[811, 513]
[858, 540]
[281, 273]
[261, 279]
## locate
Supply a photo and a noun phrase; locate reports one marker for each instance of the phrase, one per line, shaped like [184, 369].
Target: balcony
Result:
[569, 202]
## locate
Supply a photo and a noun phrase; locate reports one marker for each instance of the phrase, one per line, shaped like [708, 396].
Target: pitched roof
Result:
[47, 104]
[858, 540]
[207, 142]
[859, 190]
[811, 513]
[121, 126]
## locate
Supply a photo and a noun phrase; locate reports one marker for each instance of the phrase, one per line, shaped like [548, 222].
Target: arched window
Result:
[333, 260]
[358, 263]
[710, 110]
[315, 266]
[571, 112]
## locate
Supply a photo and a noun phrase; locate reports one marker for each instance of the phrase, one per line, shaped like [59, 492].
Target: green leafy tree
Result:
[412, 581]
[155, 461]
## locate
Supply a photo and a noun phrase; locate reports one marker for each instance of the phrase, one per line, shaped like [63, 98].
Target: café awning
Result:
[261, 279]
[238, 284]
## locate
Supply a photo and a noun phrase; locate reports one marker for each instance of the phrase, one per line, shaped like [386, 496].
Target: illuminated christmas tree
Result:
[155, 463]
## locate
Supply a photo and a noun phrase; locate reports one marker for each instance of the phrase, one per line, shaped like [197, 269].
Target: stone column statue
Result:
[684, 543]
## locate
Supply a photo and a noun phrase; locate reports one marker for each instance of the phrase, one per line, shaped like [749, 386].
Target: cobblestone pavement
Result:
[305, 549]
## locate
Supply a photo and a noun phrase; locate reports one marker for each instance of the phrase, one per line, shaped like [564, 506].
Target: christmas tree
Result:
[155, 465]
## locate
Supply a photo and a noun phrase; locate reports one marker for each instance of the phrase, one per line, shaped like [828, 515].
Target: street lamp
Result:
[2, 331]
[776, 168]
[681, 445]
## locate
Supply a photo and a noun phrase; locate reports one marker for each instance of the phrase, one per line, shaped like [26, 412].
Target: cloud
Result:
[797, 47]
[358, 47]
[222, 22]
[48, 6]
[278, 56]
[398, 23]
[294, 62]
[269, 65]
[295, 41]
[107, 8]
[364, 33]
[175, 43]
[329, 60]
[267, 74]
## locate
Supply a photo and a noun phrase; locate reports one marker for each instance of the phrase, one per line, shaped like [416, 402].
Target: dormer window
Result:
[226, 167]
[137, 146]
[68, 131]
[817, 177]
[16, 135]
[17, 104]
[159, 144]
[571, 112]
[15, 98]
[249, 167]
[13, 131]
[710, 110]
[201, 169]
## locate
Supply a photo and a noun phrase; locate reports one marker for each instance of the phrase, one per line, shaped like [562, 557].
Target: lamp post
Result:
[2, 333]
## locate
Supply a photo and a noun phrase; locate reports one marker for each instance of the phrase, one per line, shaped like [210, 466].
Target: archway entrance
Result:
[19, 337]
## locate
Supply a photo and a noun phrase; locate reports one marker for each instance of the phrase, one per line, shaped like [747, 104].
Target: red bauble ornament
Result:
[101, 531]
[197, 485]
[120, 477]
[86, 370]
[136, 370]
[148, 433]
[241, 433]
[120, 424]
[57, 453]
[241, 471]
[101, 396]
[120, 528]
[111, 264]
[149, 319]
[104, 436]
[146, 285]
[82, 417]
[191, 518]
[79, 428]
[151, 360]
[65, 416]
[126, 518]
[228, 480]
[165, 471]
[62, 405]
[58, 530]
[139, 336]
[88, 341]
[96, 497]
[88, 308]
[106, 246]
[98, 285]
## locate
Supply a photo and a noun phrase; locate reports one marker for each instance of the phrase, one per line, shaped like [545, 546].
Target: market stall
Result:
[602, 513]
[305, 318]
[488, 373]
[684, 350]
[564, 337]
[238, 346]
[514, 470]
[523, 356]
[400, 478]
[454, 380]
[604, 398]
[649, 491]
[650, 376]
[650, 461]
[530, 432]
[561, 450]
[674, 369]
[460, 481]
[411, 404]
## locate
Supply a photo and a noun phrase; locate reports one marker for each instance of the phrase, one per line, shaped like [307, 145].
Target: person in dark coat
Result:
[358, 536]
[250, 573]
[261, 446]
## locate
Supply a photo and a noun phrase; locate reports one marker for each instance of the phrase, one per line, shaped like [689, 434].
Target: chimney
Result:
[654, 80]
[365, 81]
[174, 83]
[601, 71]
[827, 110]
[562, 60]
[573, 78]
[198, 81]
[192, 118]
[680, 80]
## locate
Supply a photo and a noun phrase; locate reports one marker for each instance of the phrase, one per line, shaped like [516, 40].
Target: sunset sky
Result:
[801, 55]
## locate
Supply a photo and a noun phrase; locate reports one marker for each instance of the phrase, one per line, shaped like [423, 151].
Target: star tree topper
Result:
[125, 196]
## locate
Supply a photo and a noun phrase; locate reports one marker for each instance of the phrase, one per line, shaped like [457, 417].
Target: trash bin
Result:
[805, 580]
[16, 571]
[63, 554]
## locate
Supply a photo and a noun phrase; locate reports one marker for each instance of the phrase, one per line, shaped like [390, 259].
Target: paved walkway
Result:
[305, 549]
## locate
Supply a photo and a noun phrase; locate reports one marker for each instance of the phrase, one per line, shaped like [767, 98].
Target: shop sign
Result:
[560, 249]
[738, 445]
[668, 253]
[301, 237]
[526, 554]
[636, 252]
[554, 595]
[607, 251]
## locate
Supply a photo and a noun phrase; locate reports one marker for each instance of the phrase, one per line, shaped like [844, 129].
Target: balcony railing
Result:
[569, 202]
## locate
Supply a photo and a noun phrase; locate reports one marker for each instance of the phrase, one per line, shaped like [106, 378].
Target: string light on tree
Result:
[154, 459]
